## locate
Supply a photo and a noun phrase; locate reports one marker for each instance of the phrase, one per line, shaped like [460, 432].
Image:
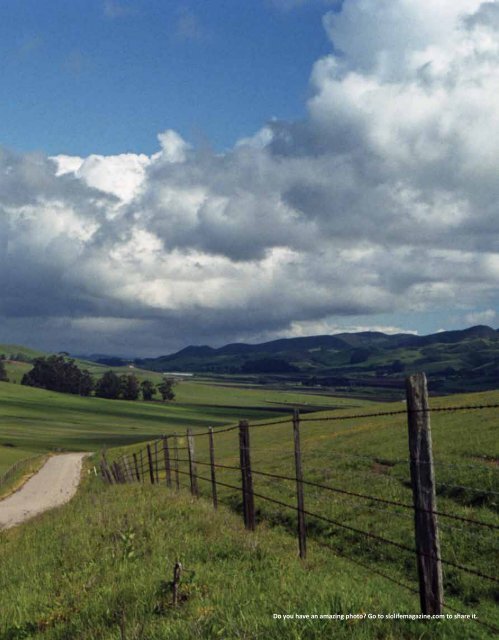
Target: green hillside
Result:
[36, 420]
[12, 351]
[455, 361]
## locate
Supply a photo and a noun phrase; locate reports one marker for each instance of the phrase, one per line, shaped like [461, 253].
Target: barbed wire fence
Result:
[164, 461]
[16, 468]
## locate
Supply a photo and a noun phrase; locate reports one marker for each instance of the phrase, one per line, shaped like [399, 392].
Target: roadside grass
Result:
[369, 456]
[9, 455]
[101, 567]
[36, 420]
[26, 467]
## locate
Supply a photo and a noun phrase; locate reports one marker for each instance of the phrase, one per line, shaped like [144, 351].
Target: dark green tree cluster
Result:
[127, 387]
[114, 387]
[166, 389]
[3, 372]
[58, 373]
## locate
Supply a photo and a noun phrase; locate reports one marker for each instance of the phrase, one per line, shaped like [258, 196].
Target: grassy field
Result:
[35, 420]
[98, 569]
[369, 456]
[128, 537]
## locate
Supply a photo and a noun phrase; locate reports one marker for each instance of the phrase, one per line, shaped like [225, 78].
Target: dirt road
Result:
[53, 485]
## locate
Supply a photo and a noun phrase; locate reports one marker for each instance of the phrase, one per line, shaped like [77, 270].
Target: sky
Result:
[177, 173]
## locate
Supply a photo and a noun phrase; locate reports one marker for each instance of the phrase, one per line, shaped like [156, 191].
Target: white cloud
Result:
[382, 201]
[327, 327]
[481, 317]
[173, 147]
[120, 175]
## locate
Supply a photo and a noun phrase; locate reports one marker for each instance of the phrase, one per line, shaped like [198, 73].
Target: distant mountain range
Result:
[453, 360]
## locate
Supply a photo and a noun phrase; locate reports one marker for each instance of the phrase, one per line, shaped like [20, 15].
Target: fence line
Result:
[159, 456]
[15, 467]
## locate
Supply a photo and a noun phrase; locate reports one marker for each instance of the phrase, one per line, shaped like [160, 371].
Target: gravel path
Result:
[53, 485]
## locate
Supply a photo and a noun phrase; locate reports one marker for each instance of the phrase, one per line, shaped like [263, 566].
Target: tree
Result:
[129, 387]
[56, 373]
[148, 389]
[3, 372]
[86, 383]
[108, 386]
[166, 389]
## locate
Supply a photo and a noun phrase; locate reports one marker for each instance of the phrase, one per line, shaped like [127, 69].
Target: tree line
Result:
[58, 373]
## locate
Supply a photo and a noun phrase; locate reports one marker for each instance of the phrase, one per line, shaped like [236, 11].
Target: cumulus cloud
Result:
[383, 200]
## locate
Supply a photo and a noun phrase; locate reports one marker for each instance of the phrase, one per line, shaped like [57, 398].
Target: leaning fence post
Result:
[192, 464]
[423, 490]
[175, 457]
[121, 471]
[116, 472]
[302, 530]
[136, 465]
[142, 465]
[156, 470]
[212, 466]
[106, 470]
[128, 473]
[247, 481]
[166, 453]
[151, 468]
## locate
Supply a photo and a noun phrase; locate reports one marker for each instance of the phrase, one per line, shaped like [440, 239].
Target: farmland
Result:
[35, 420]
[108, 588]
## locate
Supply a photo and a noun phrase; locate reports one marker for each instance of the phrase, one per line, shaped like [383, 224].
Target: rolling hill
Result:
[453, 360]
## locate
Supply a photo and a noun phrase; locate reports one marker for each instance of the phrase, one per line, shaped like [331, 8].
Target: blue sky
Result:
[205, 172]
[97, 76]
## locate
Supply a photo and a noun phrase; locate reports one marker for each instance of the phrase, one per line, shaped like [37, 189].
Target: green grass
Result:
[66, 574]
[367, 456]
[22, 472]
[35, 420]
[14, 349]
[11, 455]
[101, 567]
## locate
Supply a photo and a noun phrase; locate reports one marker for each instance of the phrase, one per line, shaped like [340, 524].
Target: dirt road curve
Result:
[53, 485]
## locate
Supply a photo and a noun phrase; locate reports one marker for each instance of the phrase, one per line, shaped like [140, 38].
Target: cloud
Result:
[381, 202]
[481, 317]
[189, 28]
[113, 9]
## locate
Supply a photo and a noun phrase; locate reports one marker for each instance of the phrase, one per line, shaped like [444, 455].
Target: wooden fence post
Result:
[136, 465]
[126, 469]
[247, 480]
[212, 466]
[423, 490]
[156, 455]
[192, 464]
[166, 453]
[142, 466]
[177, 574]
[106, 472]
[302, 529]
[151, 468]
[122, 470]
[175, 457]
[116, 472]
